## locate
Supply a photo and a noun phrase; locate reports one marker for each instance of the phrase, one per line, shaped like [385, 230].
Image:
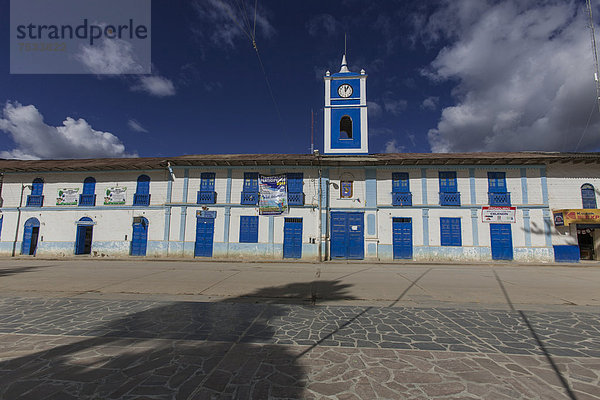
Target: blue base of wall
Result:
[566, 253]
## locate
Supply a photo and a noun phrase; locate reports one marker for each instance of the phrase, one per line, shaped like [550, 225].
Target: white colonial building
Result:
[343, 204]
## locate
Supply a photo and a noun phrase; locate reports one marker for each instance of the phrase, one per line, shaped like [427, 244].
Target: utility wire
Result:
[586, 125]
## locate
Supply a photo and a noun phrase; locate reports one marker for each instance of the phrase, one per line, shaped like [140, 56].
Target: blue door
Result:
[83, 241]
[139, 239]
[292, 238]
[347, 235]
[30, 236]
[501, 236]
[402, 238]
[205, 229]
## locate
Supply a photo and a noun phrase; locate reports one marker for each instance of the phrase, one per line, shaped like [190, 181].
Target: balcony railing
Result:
[499, 199]
[141, 199]
[34, 200]
[401, 198]
[449, 198]
[296, 199]
[250, 198]
[206, 197]
[87, 200]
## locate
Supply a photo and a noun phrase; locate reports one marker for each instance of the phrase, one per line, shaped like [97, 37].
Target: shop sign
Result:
[273, 195]
[206, 214]
[559, 220]
[67, 197]
[499, 214]
[115, 196]
[577, 216]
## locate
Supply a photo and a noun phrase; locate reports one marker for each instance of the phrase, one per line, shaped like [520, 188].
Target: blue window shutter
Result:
[250, 181]
[400, 182]
[448, 182]
[1, 219]
[497, 182]
[37, 187]
[89, 185]
[294, 182]
[248, 229]
[450, 232]
[143, 185]
[207, 183]
[588, 196]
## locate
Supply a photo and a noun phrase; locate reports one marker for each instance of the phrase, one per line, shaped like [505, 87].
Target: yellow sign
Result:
[578, 216]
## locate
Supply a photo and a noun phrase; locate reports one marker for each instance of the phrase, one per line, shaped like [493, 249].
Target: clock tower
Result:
[346, 130]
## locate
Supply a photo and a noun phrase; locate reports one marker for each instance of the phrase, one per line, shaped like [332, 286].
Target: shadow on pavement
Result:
[20, 270]
[180, 350]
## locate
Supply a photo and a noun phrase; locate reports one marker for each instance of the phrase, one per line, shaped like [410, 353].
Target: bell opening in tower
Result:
[346, 127]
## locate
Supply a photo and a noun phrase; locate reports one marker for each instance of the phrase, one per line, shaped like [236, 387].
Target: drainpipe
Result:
[14, 249]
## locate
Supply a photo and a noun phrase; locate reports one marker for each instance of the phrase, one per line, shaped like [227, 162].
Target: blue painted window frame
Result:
[588, 196]
[251, 182]
[448, 181]
[295, 188]
[142, 191]
[1, 219]
[450, 232]
[88, 196]
[248, 229]
[207, 182]
[36, 198]
[497, 182]
[400, 182]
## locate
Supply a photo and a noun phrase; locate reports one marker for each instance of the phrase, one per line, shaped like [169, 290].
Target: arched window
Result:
[36, 198]
[89, 185]
[588, 196]
[346, 127]
[142, 191]
[88, 197]
[37, 188]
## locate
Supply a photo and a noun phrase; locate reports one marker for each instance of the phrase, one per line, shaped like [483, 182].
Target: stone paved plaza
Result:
[64, 345]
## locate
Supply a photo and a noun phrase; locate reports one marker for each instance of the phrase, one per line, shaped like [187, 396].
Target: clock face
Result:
[345, 90]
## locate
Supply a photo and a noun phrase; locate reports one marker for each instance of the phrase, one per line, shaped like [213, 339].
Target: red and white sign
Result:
[499, 214]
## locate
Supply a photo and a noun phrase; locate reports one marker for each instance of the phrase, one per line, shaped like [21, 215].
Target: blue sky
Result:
[447, 76]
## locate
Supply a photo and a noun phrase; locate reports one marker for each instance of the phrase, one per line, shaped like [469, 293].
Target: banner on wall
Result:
[576, 216]
[273, 195]
[67, 197]
[115, 196]
[503, 215]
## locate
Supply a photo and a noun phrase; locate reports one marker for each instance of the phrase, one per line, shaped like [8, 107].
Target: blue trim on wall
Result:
[547, 228]
[324, 205]
[527, 227]
[227, 211]
[168, 211]
[425, 212]
[186, 178]
[524, 194]
[475, 226]
[544, 186]
[424, 185]
[371, 188]
[472, 185]
[371, 224]
[182, 224]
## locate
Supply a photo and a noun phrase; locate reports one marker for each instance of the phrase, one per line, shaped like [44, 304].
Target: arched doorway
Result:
[30, 236]
[83, 241]
[139, 239]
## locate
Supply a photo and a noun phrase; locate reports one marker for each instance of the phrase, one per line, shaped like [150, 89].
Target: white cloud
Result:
[430, 103]
[392, 146]
[73, 139]
[223, 25]
[525, 76]
[136, 126]
[114, 56]
[374, 109]
[322, 25]
[155, 85]
[394, 106]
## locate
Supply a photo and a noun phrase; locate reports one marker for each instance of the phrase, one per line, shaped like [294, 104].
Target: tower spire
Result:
[344, 64]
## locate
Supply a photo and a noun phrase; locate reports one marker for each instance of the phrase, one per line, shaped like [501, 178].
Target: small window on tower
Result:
[346, 127]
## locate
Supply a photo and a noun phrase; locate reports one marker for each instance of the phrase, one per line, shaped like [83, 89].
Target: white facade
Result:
[535, 190]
